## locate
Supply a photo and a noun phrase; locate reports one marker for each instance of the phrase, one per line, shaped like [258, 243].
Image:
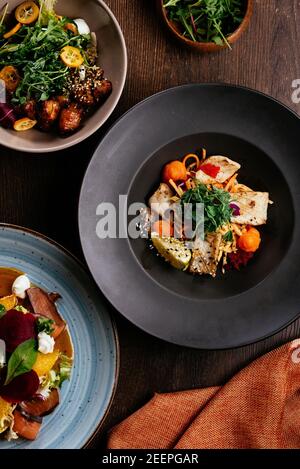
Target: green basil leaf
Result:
[22, 360]
[2, 311]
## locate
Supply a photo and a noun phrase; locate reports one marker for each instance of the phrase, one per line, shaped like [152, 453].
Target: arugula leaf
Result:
[217, 210]
[206, 20]
[35, 52]
[65, 368]
[21, 360]
[228, 237]
[45, 325]
[2, 311]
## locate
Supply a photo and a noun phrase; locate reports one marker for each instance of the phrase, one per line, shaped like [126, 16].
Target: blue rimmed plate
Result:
[86, 398]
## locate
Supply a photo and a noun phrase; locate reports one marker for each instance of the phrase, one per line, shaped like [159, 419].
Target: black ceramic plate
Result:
[239, 307]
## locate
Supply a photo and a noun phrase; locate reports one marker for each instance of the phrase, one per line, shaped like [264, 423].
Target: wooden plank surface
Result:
[41, 192]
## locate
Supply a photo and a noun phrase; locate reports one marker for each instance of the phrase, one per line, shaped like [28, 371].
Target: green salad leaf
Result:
[35, 52]
[206, 20]
[65, 367]
[21, 360]
[217, 211]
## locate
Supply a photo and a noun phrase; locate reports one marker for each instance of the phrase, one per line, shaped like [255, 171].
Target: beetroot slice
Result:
[22, 388]
[15, 328]
[40, 407]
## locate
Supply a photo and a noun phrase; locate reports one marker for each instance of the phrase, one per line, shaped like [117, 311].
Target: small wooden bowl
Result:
[205, 46]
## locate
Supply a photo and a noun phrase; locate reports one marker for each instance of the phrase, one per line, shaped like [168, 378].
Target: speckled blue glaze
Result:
[86, 397]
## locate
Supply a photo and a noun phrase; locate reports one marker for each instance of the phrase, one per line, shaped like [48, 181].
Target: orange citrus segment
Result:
[11, 77]
[45, 363]
[71, 57]
[27, 12]
[24, 124]
[9, 302]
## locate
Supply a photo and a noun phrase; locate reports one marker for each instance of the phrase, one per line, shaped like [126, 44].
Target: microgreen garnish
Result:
[45, 325]
[206, 20]
[217, 211]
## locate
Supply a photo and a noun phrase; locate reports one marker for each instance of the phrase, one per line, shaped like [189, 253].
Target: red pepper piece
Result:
[210, 169]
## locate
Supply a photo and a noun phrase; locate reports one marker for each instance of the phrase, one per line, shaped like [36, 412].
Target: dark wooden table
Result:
[41, 192]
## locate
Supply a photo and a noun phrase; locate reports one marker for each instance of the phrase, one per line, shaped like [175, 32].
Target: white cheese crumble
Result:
[46, 343]
[20, 285]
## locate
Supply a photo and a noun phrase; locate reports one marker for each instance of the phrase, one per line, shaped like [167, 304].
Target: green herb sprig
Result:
[217, 211]
[206, 20]
[45, 325]
[35, 52]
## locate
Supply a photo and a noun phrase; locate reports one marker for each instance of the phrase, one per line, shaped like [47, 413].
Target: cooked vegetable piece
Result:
[205, 255]
[13, 31]
[70, 119]
[30, 109]
[25, 427]
[192, 160]
[250, 241]
[226, 169]
[41, 407]
[160, 201]
[43, 306]
[174, 170]
[15, 328]
[11, 78]
[7, 116]
[48, 114]
[238, 259]
[24, 124]
[9, 302]
[45, 363]
[253, 207]
[63, 101]
[163, 228]
[27, 12]
[21, 388]
[71, 56]
[102, 91]
[173, 251]
[210, 169]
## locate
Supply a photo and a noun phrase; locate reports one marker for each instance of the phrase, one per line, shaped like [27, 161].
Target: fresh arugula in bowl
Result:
[206, 20]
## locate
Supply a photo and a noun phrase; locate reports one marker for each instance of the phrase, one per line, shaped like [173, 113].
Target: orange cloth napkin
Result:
[258, 408]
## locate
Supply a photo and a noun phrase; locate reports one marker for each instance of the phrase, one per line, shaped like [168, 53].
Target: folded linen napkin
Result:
[258, 408]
